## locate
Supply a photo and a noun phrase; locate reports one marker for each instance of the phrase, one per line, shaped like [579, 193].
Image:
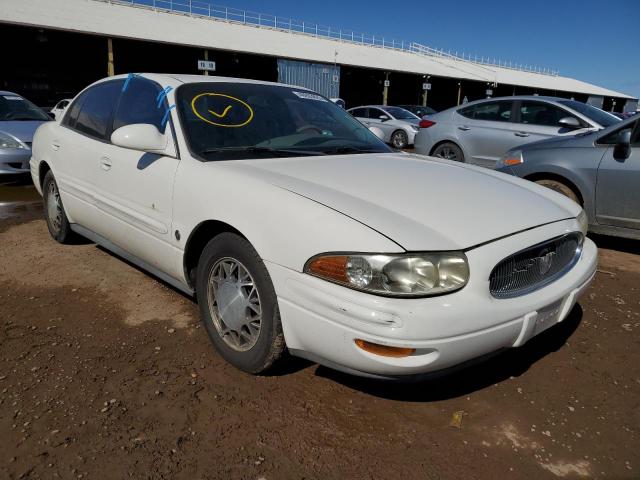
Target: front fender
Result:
[284, 227]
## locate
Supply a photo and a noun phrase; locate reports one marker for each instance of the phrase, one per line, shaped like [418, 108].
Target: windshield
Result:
[400, 113]
[599, 116]
[224, 121]
[14, 107]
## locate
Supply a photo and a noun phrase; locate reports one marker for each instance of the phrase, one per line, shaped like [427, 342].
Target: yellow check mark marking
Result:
[223, 114]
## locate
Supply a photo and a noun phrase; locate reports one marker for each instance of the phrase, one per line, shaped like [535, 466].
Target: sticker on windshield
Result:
[11, 97]
[310, 96]
[222, 110]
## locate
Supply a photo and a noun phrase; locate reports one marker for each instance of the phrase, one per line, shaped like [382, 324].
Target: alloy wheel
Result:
[54, 207]
[234, 304]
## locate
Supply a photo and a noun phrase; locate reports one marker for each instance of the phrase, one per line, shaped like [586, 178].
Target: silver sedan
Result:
[399, 126]
[481, 132]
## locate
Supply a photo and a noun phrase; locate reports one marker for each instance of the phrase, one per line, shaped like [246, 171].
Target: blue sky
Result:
[594, 41]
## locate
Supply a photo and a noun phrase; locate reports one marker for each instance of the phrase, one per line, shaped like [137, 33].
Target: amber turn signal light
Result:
[512, 161]
[384, 350]
[334, 267]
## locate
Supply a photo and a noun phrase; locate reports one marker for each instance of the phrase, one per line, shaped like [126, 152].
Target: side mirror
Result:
[377, 132]
[384, 118]
[569, 122]
[622, 149]
[140, 136]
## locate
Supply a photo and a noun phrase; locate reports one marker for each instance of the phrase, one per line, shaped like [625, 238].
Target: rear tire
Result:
[238, 304]
[448, 151]
[560, 187]
[399, 139]
[54, 214]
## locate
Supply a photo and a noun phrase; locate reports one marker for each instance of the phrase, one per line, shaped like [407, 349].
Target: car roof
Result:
[6, 92]
[177, 79]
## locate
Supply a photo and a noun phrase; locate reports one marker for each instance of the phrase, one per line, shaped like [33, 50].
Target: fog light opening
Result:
[384, 350]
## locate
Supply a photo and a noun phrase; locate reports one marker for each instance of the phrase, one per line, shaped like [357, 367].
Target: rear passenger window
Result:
[539, 113]
[139, 104]
[489, 111]
[97, 109]
[71, 116]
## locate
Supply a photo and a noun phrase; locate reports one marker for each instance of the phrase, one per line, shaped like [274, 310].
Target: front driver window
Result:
[614, 137]
[539, 113]
[139, 104]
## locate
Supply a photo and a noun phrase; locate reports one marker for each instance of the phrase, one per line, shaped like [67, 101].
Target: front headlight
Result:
[510, 159]
[584, 222]
[7, 141]
[402, 275]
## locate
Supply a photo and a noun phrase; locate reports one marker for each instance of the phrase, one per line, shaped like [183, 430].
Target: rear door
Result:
[538, 120]
[485, 131]
[618, 184]
[76, 151]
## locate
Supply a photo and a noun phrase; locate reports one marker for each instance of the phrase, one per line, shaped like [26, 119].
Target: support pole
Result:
[459, 91]
[425, 93]
[206, 57]
[385, 91]
[110, 65]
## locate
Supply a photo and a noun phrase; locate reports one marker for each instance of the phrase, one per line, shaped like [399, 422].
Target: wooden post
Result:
[385, 91]
[110, 65]
[206, 57]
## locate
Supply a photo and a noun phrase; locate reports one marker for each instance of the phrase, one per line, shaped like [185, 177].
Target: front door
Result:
[618, 184]
[137, 187]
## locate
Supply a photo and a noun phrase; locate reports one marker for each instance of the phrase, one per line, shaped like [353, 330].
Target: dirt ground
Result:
[106, 373]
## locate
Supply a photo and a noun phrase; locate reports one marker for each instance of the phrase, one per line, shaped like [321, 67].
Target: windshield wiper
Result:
[350, 149]
[276, 152]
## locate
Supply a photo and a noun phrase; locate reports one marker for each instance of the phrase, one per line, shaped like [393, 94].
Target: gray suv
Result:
[481, 132]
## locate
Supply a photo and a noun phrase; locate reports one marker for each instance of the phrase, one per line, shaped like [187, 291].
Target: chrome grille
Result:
[535, 267]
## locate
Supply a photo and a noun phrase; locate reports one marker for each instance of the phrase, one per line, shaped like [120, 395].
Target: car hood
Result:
[22, 130]
[579, 140]
[418, 202]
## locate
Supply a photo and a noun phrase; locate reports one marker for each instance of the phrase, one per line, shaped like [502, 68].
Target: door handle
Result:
[105, 163]
[464, 128]
[55, 144]
[521, 134]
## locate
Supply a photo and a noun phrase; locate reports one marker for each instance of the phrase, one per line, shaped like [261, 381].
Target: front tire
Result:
[399, 139]
[449, 151]
[238, 304]
[54, 214]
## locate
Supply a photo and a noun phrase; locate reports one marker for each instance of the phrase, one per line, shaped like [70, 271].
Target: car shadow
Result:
[619, 244]
[509, 363]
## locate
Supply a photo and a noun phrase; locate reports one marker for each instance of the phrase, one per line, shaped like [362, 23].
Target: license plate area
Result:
[547, 317]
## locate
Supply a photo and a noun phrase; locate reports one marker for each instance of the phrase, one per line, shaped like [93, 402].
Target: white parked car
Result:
[296, 228]
[398, 126]
[60, 107]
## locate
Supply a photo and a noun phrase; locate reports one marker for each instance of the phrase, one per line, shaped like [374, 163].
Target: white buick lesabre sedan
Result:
[297, 229]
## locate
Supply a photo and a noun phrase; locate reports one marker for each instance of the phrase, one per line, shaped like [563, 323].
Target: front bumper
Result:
[322, 320]
[14, 160]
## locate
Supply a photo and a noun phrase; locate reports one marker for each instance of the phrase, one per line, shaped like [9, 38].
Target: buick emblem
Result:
[545, 260]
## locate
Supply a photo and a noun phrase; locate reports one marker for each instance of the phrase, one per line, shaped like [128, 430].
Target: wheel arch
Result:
[198, 239]
[558, 178]
[448, 140]
[43, 168]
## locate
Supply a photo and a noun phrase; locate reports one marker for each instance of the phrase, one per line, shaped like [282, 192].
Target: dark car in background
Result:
[598, 169]
[419, 110]
[19, 119]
